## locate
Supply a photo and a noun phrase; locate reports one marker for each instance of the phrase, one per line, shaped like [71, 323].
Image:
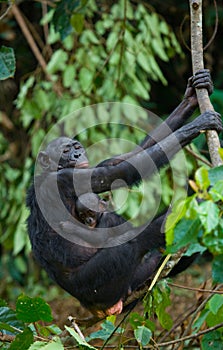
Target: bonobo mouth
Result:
[83, 165]
[74, 164]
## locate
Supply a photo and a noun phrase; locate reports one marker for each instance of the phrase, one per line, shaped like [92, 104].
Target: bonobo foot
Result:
[113, 310]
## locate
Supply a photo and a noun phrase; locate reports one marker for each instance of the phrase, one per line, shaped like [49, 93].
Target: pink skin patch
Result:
[113, 310]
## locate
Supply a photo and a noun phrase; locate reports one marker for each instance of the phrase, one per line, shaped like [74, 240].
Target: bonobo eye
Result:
[77, 146]
[66, 150]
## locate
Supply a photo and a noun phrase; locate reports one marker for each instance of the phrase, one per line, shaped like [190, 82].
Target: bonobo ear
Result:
[44, 160]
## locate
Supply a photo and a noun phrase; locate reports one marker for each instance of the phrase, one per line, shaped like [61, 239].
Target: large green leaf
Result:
[7, 63]
[23, 340]
[8, 317]
[33, 309]
[143, 335]
[185, 233]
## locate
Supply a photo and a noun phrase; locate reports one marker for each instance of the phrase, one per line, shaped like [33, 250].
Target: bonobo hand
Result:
[201, 79]
[209, 120]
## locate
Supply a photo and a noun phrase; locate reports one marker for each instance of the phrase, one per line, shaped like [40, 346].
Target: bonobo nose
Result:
[75, 156]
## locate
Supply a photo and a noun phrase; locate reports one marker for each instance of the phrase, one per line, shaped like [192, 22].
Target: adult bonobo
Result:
[101, 266]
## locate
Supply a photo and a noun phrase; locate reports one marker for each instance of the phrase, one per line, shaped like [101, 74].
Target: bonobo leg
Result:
[146, 269]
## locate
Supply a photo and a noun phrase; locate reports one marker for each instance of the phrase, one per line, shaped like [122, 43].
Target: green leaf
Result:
[215, 174]
[209, 215]
[139, 89]
[33, 309]
[201, 177]
[143, 335]
[217, 191]
[158, 49]
[61, 19]
[37, 140]
[20, 235]
[212, 340]
[201, 319]
[3, 303]
[68, 76]
[185, 232]
[7, 63]
[156, 69]
[6, 327]
[107, 328]
[142, 59]
[161, 294]
[79, 340]
[8, 316]
[43, 99]
[86, 78]
[77, 22]
[178, 211]
[217, 274]
[55, 344]
[54, 329]
[215, 303]
[58, 61]
[23, 340]
[195, 248]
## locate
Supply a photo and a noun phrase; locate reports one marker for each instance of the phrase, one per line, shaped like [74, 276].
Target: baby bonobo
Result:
[89, 210]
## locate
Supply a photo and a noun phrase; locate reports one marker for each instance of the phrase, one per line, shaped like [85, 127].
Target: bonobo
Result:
[90, 209]
[101, 272]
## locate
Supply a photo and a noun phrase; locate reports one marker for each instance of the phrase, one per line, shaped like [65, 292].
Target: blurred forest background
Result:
[71, 54]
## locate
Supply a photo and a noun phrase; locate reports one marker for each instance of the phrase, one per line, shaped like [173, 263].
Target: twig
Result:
[77, 329]
[192, 336]
[199, 308]
[195, 155]
[196, 289]
[7, 10]
[16, 12]
[198, 63]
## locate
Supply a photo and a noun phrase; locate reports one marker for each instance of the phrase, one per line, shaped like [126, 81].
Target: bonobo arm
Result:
[140, 165]
[184, 110]
[176, 119]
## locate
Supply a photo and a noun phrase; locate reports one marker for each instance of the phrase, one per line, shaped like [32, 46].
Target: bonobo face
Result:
[88, 217]
[61, 153]
[87, 208]
[73, 155]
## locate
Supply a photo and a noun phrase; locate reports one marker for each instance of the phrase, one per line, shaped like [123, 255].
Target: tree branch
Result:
[198, 63]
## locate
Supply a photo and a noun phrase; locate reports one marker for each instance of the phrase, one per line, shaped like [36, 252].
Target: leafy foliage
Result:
[202, 222]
